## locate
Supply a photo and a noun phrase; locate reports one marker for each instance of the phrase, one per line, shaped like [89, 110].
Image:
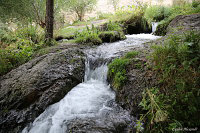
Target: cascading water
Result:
[92, 100]
[154, 26]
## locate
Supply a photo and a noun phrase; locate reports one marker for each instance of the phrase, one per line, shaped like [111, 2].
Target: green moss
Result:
[90, 40]
[111, 36]
[117, 69]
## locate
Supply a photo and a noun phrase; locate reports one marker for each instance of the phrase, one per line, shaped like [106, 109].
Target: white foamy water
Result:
[154, 26]
[90, 98]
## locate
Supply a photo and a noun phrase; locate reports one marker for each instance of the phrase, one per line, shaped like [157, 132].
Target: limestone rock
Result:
[27, 91]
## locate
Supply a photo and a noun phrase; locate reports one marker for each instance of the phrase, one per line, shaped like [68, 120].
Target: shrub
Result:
[177, 64]
[156, 13]
[89, 39]
[17, 47]
[180, 7]
[111, 26]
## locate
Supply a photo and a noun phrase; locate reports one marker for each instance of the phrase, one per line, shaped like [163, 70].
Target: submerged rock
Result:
[27, 91]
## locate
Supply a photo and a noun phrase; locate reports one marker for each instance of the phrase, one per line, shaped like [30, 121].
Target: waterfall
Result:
[93, 99]
[154, 26]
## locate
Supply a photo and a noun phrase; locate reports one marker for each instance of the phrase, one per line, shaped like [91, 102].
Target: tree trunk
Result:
[49, 19]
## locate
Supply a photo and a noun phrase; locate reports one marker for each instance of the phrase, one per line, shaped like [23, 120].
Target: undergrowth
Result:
[18, 46]
[175, 104]
[96, 36]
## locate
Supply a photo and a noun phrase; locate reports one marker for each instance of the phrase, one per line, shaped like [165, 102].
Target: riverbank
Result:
[160, 85]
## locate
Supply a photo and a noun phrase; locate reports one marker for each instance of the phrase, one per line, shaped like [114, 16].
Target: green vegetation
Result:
[95, 36]
[80, 7]
[17, 47]
[88, 36]
[117, 69]
[157, 13]
[176, 102]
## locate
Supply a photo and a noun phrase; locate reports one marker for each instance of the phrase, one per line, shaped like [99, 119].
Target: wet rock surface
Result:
[27, 91]
[116, 120]
[139, 77]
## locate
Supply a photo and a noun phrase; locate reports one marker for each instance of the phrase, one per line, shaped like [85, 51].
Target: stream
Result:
[90, 106]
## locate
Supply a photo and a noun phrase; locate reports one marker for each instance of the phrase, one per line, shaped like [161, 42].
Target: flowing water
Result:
[92, 100]
[154, 26]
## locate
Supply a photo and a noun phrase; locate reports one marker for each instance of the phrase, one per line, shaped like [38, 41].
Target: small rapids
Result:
[90, 106]
[154, 26]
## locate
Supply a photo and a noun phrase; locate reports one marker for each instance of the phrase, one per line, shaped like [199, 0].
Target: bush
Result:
[177, 64]
[30, 32]
[17, 47]
[157, 13]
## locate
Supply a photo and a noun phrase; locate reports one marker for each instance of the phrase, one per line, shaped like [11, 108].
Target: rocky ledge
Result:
[28, 90]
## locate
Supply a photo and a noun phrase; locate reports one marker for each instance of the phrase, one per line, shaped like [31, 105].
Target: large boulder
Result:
[111, 36]
[28, 90]
[179, 24]
[183, 23]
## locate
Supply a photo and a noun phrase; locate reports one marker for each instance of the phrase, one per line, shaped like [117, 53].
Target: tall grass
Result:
[177, 64]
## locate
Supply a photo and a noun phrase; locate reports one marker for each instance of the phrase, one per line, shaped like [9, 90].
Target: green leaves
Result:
[80, 7]
[177, 95]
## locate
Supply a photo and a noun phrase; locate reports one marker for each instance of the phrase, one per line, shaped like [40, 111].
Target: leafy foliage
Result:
[88, 36]
[114, 3]
[17, 47]
[80, 7]
[156, 13]
[177, 64]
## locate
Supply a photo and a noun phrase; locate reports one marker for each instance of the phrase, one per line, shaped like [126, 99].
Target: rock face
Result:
[28, 90]
[183, 23]
[179, 25]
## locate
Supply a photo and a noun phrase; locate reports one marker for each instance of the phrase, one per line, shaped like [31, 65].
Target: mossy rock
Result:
[90, 40]
[68, 37]
[111, 36]
[161, 29]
